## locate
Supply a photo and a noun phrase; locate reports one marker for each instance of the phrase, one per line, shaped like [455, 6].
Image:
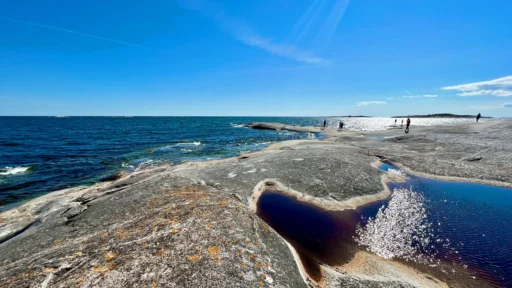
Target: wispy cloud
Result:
[366, 103]
[420, 96]
[507, 105]
[76, 33]
[501, 87]
[289, 51]
[243, 32]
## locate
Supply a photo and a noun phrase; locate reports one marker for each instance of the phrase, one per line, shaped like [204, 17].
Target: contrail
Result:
[305, 30]
[75, 32]
[243, 32]
[305, 17]
[333, 20]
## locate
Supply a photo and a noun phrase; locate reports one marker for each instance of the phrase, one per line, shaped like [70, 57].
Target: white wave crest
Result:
[174, 146]
[138, 164]
[191, 143]
[238, 125]
[400, 230]
[13, 170]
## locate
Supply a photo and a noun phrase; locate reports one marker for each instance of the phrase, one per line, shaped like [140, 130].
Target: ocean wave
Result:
[138, 164]
[238, 125]
[189, 143]
[174, 146]
[14, 170]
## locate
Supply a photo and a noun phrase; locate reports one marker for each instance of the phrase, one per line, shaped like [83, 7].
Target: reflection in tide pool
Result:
[471, 224]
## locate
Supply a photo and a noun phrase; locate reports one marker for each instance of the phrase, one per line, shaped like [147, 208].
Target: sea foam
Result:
[13, 170]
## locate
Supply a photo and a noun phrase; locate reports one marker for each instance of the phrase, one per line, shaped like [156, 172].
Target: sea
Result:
[39, 155]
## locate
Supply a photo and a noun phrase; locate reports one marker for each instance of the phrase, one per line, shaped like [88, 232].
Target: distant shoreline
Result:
[442, 115]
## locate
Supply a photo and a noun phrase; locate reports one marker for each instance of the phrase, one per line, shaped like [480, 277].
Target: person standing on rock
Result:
[402, 125]
[395, 122]
[341, 125]
[407, 125]
[478, 117]
[325, 123]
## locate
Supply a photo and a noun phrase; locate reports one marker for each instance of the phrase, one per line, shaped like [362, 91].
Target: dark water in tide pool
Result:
[318, 235]
[476, 220]
[43, 154]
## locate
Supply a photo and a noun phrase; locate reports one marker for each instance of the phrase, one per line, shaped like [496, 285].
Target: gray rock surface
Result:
[191, 225]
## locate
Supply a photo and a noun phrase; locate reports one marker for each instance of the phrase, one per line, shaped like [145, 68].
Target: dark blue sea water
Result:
[476, 220]
[43, 154]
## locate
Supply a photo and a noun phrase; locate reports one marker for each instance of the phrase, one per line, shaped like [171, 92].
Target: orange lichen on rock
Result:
[155, 284]
[111, 265]
[261, 283]
[49, 270]
[175, 230]
[100, 269]
[214, 252]
[109, 255]
[104, 269]
[121, 234]
[56, 242]
[194, 258]
[161, 252]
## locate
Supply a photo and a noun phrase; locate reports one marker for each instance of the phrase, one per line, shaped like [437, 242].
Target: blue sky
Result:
[266, 57]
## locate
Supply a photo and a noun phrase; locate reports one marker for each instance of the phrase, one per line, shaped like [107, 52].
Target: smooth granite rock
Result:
[191, 225]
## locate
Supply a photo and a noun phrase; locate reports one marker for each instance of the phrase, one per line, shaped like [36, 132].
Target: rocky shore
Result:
[194, 225]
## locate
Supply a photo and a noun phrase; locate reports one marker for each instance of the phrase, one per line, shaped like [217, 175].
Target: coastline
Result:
[308, 166]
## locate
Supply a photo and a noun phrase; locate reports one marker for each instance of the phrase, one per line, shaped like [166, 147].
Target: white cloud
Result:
[500, 87]
[498, 92]
[421, 96]
[366, 103]
[507, 105]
